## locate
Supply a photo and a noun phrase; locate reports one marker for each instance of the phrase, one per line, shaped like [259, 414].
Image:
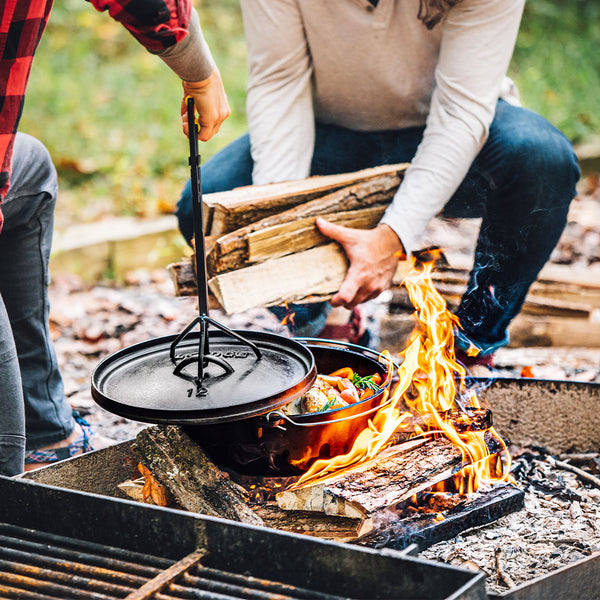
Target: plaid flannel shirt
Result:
[156, 24]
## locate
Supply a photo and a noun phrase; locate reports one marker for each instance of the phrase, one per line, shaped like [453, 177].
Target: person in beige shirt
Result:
[344, 85]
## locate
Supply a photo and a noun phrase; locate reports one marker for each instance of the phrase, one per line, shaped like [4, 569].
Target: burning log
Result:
[426, 529]
[191, 477]
[393, 476]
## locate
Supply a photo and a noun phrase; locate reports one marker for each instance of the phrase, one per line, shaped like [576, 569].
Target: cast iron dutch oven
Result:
[275, 443]
[236, 415]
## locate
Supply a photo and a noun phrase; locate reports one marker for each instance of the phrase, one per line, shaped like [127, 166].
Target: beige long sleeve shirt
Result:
[366, 68]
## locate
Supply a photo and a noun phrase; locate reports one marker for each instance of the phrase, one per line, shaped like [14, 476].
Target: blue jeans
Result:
[520, 184]
[30, 382]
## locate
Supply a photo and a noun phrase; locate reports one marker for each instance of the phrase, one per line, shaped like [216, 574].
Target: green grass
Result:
[109, 112]
[556, 64]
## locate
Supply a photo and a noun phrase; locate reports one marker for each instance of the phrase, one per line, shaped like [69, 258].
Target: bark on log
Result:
[231, 250]
[389, 478]
[228, 211]
[339, 529]
[303, 234]
[187, 472]
[183, 276]
[471, 419]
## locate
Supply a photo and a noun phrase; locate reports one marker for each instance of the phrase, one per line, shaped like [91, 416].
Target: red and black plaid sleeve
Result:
[21, 26]
[156, 24]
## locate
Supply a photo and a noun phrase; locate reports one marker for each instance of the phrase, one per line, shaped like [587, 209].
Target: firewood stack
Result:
[262, 244]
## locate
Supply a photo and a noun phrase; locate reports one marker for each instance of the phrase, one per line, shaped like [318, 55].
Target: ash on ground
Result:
[559, 525]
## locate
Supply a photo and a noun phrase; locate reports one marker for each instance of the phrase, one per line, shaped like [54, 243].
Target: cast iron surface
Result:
[138, 382]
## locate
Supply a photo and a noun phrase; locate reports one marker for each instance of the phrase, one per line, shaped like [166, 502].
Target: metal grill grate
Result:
[44, 566]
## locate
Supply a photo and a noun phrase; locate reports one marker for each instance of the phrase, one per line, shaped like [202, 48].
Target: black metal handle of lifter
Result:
[197, 210]
[203, 319]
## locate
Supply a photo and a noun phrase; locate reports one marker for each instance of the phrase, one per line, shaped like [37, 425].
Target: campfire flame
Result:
[431, 384]
[289, 317]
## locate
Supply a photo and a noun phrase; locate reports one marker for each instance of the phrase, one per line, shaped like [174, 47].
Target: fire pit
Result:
[422, 456]
[95, 547]
[514, 401]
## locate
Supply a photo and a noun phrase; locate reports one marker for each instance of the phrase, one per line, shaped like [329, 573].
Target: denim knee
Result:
[32, 168]
[543, 159]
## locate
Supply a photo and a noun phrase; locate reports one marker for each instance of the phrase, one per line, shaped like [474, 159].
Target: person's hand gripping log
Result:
[373, 254]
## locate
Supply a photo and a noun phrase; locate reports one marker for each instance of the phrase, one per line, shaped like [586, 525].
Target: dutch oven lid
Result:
[140, 382]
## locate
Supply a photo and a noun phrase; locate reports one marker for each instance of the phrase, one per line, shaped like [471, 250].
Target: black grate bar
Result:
[35, 564]
[48, 588]
[139, 558]
[21, 594]
[265, 585]
[45, 562]
[80, 557]
[191, 594]
[225, 589]
[65, 578]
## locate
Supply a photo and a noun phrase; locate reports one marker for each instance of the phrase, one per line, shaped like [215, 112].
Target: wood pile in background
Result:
[561, 309]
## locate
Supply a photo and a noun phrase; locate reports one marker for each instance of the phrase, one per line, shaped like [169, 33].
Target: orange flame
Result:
[430, 382]
[289, 317]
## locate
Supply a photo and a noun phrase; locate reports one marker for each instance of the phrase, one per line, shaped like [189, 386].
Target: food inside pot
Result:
[336, 390]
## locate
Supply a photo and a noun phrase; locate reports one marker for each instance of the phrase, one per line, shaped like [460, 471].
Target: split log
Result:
[183, 276]
[296, 236]
[534, 304]
[227, 211]
[317, 272]
[231, 250]
[525, 331]
[427, 529]
[393, 476]
[471, 419]
[339, 529]
[310, 276]
[191, 477]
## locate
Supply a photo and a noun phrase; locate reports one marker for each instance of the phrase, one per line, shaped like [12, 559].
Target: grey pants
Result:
[31, 390]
